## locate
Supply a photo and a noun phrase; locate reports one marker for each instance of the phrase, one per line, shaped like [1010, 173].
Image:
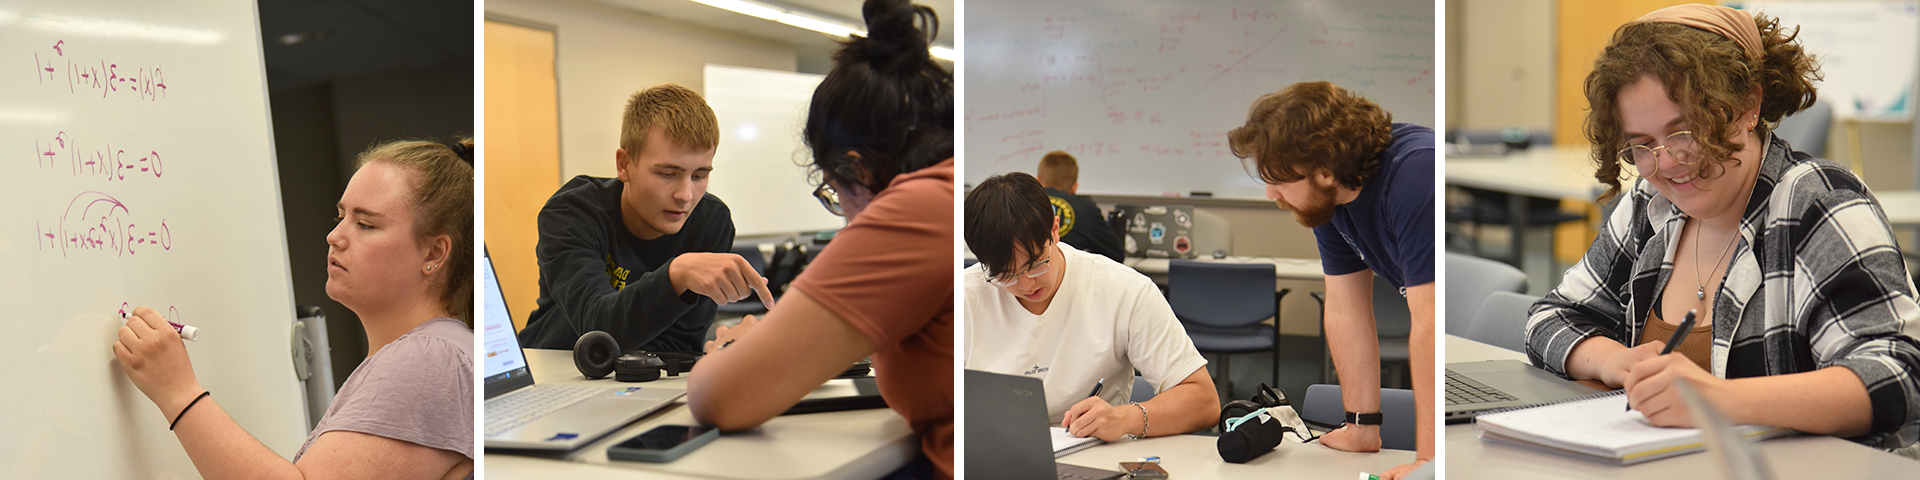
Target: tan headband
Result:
[1736, 25]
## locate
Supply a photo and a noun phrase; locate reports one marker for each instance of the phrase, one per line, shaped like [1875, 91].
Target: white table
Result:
[1805, 456]
[1902, 206]
[1196, 457]
[860, 444]
[1557, 172]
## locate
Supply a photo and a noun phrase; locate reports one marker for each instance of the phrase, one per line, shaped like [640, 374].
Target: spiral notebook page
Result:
[1065, 443]
[1599, 427]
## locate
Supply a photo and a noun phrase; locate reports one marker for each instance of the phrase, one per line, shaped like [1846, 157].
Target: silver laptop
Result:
[1475, 387]
[1007, 432]
[522, 415]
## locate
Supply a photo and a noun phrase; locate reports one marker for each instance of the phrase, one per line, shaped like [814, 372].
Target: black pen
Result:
[1679, 335]
[1096, 387]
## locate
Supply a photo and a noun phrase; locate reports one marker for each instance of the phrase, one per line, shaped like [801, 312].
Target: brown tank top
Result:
[1698, 346]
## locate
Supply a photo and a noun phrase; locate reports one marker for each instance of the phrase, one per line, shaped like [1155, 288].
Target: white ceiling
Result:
[811, 44]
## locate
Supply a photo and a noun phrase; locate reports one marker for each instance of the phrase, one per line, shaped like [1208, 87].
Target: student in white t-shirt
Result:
[1039, 308]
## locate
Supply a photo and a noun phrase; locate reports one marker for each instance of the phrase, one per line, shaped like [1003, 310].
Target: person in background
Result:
[402, 259]
[1081, 222]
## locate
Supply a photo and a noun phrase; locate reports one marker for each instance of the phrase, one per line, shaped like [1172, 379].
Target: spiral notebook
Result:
[1598, 427]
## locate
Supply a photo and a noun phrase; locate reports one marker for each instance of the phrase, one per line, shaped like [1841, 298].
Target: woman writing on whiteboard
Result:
[880, 128]
[401, 257]
[1805, 315]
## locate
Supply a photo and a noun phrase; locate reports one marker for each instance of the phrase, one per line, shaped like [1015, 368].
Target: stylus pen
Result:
[1679, 335]
[1096, 388]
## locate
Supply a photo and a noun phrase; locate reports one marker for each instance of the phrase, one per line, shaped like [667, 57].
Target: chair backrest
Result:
[1807, 130]
[1469, 280]
[1142, 391]
[1502, 321]
[1221, 295]
[1323, 408]
[1211, 232]
[1391, 319]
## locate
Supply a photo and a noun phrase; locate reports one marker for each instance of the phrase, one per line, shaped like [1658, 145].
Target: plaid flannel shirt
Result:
[1815, 281]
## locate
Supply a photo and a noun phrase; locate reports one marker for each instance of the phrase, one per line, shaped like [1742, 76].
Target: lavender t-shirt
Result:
[418, 389]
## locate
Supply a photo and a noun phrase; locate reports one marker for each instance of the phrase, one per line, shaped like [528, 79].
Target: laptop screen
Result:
[506, 367]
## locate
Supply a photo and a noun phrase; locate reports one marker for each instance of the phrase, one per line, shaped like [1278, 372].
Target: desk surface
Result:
[1283, 268]
[860, 444]
[1564, 172]
[1902, 206]
[1805, 456]
[1196, 457]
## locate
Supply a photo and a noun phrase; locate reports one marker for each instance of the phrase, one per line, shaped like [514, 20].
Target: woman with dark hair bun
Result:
[881, 132]
[1804, 314]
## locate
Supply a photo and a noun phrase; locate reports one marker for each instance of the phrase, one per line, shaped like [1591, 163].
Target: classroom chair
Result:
[1807, 131]
[1393, 324]
[1492, 208]
[1222, 307]
[1323, 408]
[1142, 391]
[752, 305]
[1502, 321]
[1470, 280]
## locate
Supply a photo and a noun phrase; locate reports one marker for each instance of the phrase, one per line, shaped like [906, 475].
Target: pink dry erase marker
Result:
[187, 332]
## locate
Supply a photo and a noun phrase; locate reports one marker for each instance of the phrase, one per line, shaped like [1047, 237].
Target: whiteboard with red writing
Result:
[137, 166]
[1143, 92]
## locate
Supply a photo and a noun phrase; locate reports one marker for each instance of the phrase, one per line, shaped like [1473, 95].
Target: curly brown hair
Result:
[1312, 126]
[1709, 76]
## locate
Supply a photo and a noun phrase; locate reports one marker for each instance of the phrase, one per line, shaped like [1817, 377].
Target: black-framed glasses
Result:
[1033, 271]
[1679, 146]
[829, 199]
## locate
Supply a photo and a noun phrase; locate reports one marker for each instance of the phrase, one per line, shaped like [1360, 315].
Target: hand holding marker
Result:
[187, 332]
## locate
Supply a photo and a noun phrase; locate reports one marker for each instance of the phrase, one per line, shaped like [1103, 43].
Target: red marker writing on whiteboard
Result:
[187, 332]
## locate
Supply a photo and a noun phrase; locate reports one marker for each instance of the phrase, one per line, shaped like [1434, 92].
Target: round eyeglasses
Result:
[1679, 146]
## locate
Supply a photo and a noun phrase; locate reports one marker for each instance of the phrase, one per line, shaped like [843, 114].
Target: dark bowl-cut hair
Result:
[1007, 214]
[1709, 76]
[886, 100]
[1313, 126]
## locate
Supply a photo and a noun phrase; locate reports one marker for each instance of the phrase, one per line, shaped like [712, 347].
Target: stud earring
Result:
[430, 268]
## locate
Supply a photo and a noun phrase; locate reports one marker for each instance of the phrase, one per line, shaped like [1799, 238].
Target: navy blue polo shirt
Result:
[1389, 228]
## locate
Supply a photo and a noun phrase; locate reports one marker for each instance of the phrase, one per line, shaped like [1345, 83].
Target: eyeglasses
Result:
[1679, 146]
[1033, 271]
[829, 199]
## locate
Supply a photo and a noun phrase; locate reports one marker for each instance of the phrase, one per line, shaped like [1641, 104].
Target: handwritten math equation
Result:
[103, 161]
[56, 66]
[95, 222]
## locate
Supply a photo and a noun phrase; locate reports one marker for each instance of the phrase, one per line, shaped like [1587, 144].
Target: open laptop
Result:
[522, 415]
[1157, 231]
[1007, 431]
[1474, 387]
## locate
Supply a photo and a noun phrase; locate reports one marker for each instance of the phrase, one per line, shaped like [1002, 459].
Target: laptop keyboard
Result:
[1462, 390]
[518, 408]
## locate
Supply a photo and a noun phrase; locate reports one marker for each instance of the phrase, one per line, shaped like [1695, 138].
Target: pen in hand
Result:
[1679, 335]
[1096, 388]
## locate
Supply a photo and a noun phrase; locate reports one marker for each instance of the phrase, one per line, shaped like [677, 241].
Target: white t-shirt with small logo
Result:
[1106, 321]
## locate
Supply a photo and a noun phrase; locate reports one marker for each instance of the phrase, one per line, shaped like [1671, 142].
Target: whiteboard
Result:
[757, 169]
[1143, 92]
[151, 181]
[1867, 53]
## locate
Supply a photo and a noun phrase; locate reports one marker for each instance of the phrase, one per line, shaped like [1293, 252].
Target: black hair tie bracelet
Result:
[183, 411]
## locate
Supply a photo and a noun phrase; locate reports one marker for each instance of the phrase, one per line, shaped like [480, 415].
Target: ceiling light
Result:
[809, 22]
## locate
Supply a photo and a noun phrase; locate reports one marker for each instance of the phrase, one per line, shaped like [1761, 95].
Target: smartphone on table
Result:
[663, 443]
